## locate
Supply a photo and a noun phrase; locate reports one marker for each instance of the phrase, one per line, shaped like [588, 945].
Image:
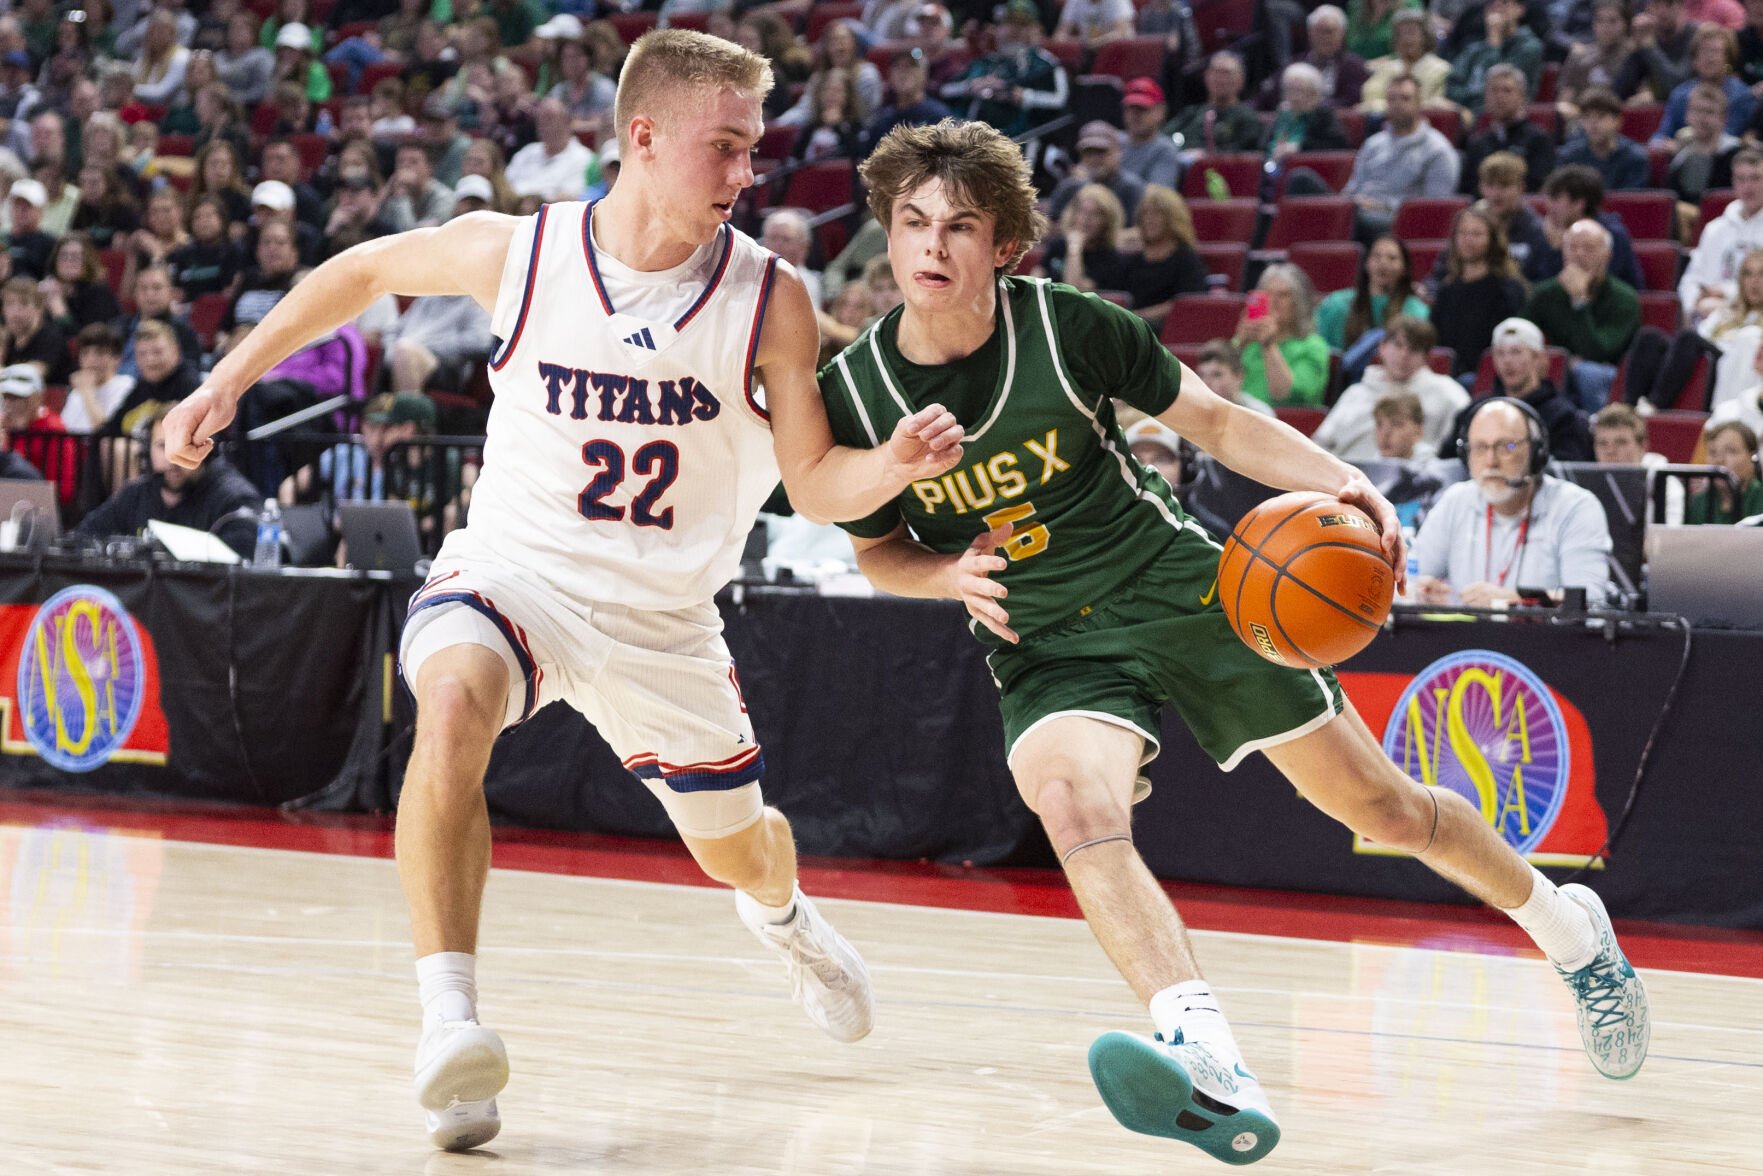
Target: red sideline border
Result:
[1711, 950]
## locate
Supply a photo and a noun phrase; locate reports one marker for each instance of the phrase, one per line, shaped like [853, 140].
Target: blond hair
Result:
[665, 61]
[1174, 210]
[1107, 203]
[978, 167]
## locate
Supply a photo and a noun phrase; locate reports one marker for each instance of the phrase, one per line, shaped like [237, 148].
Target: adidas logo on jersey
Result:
[642, 339]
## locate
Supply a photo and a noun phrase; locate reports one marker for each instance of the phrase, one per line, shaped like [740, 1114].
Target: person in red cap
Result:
[1019, 85]
[1147, 154]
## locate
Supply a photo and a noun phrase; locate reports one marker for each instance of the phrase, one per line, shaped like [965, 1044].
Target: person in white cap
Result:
[273, 202]
[474, 194]
[655, 376]
[1521, 365]
[295, 62]
[555, 167]
[280, 161]
[28, 245]
[1158, 446]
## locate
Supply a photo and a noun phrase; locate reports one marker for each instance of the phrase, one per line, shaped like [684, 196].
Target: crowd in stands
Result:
[1359, 218]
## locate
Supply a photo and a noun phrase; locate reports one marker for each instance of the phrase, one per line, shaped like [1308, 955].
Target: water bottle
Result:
[325, 125]
[1412, 596]
[269, 537]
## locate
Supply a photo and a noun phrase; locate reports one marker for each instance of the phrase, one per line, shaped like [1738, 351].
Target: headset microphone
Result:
[1516, 483]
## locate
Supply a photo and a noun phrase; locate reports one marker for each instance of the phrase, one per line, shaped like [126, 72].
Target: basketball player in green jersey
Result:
[1097, 597]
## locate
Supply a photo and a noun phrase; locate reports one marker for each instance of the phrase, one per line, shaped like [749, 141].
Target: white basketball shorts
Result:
[660, 687]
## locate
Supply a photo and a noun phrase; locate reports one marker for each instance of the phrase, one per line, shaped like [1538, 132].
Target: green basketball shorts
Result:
[1162, 638]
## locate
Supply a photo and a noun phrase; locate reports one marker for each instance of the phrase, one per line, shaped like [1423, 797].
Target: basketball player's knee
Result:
[1074, 811]
[744, 860]
[458, 710]
[1398, 817]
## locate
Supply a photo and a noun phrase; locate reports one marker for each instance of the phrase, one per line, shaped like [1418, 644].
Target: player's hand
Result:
[191, 426]
[925, 444]
[975, 588]
[1361, 493]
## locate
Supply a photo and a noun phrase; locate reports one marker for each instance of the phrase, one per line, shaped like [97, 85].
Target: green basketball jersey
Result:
[1043, 450]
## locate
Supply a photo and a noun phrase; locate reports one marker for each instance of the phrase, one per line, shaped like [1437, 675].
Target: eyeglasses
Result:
[1494, 448]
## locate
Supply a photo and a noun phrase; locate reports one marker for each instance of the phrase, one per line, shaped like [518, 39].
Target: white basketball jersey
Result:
[627, 451]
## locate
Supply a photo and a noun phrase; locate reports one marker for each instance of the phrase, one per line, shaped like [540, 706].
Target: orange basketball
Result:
[1303, 580]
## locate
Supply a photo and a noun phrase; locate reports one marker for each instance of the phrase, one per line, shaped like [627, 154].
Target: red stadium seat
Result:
[1546, 86]
[1226, 258]
[379, 71]
[1422, 256]
[1223, 22]
[832, 237]
[1448, 123]
[1661, 310]
[312, 148]
[776, 142]
[1641, 123]
[631, 25]
[1544, 115]
[1305, 420]
[1676, 434]
[1220, 221]
[1309, 218]
[822, 15]
[1442, 360]
[819, 186]
[263, 119]
[115, 261]
[1133, 57]
[1332, 265]
[180, 145]
[792, 12]
[1713, 204]
[1659, 262]
[1073, 55]
[1650, 216]
[1335, 167]
[698, 22]
[206, 313]
[1659, 157]
[1199, 318]
[1241, 173]
[339, 72]
[1352, 124]
[1427, 217]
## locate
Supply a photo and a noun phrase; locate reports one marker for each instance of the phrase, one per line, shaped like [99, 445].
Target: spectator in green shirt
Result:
[1593, 315]
[1506, 42]
[1369, 25]
[1733, 445]
[1223, 123]
[1285, 362]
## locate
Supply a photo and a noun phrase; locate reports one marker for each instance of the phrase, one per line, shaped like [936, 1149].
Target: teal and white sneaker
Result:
[1614, 1022]
[1184, 1091]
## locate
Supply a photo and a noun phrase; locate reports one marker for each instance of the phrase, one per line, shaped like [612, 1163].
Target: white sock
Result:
[778, 915]
[448, 985]
[1560, 926]
[1190, 1007]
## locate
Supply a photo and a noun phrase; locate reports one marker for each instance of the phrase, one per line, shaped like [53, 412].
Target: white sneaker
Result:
[1614, 1023]
[1186, 1091]
[460, 1068]
[827, 976]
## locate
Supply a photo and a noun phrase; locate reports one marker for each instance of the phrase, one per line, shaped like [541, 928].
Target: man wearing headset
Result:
[1510, 525]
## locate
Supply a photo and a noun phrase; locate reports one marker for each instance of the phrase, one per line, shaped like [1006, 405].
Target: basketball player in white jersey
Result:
[627, 454]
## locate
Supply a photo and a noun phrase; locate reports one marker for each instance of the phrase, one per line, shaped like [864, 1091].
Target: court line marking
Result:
[1523, 954]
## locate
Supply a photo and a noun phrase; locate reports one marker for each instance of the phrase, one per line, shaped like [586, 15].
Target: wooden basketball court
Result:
[174, 1007]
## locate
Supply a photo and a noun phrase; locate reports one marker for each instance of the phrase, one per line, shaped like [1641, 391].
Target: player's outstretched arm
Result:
[828, 482]
[1272, 452]
[463, 256]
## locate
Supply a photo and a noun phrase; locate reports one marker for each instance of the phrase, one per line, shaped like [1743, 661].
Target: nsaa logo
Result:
[81, 678]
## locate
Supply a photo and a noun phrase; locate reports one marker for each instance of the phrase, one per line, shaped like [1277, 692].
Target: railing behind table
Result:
[434, 475]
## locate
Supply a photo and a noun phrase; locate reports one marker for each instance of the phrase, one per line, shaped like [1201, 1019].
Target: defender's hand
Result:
[925, 444]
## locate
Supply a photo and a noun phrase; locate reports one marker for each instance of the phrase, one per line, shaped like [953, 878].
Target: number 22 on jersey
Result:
[658, 461]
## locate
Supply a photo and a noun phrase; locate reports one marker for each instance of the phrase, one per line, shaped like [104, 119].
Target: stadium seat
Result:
[1713, 204]
[1676, 434]
[263, 118]
[1305, 420]
[1659, 157]
[1650, 216]
[822, 15]
[776, 142]
[832, 236]
[376, 73]
[114, 261]
[1422, 218]
[792, 12]
[1659, 262]
[1422, 256]
[1335, 167]
[1131, 57]
[1332, 265]
[1447, 123]
[1073, 55]
[1544, 115]
[1661, 310]
[1223, 22]
[1545, 91]
[1442, 360]
[1198, 318]
[1225, 258]
[1309, 218]
[819, 186]
[1221, 221]
[312, 149]
[1352, 125]
[1241, 172]
[631, 25]
[1097, 96]
[1640, 123]
[206, 313]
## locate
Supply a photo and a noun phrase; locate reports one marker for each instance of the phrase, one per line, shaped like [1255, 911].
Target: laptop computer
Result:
[29, 514]
[1707, 574]
[380, 536]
